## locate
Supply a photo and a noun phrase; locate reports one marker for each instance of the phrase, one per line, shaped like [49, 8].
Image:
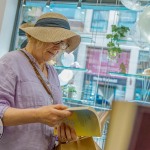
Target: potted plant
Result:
[71, 90]
[113, 45]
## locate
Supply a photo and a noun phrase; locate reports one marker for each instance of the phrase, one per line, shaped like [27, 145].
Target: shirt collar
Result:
[33, 59]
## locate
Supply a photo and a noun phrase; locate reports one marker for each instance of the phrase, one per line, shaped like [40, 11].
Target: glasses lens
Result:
[64, 45]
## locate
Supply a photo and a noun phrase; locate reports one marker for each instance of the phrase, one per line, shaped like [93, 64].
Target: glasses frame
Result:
[63, 45]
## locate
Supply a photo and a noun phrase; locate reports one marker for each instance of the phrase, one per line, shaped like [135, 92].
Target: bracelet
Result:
[1, 128]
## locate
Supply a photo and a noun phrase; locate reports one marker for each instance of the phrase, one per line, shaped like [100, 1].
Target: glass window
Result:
[97, 77]
[142, 86]
[127, 18]
[99, 21]
[63, 11]
[143, 61]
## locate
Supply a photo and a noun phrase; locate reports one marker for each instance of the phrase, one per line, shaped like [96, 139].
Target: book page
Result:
[103, 116]
[84, 121]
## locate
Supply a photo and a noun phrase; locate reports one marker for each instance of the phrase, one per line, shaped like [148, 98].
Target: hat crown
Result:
[53, 15]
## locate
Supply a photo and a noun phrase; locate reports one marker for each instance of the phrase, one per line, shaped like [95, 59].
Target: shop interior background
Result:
[95, 78]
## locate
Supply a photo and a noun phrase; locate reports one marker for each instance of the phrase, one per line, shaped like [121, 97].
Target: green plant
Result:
[113, 45]
[72, 88]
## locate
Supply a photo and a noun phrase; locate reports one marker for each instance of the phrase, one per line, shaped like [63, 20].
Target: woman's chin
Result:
[48, 58]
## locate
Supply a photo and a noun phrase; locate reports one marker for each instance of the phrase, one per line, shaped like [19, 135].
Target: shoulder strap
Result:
[39, 76]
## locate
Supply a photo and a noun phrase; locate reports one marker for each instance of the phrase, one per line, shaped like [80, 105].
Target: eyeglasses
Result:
[63, 45]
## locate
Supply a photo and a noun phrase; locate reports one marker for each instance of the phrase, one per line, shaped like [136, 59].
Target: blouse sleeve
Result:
[7, 87]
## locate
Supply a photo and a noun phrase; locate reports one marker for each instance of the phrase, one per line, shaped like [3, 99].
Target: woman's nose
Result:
[56, 50]
[56, 47]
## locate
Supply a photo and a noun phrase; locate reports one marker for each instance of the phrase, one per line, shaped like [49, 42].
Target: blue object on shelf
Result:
[100, 100]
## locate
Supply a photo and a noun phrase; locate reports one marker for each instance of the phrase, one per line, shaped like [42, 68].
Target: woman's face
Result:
[44, 52]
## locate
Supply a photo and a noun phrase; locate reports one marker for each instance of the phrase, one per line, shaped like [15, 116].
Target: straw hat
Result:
[52, 27]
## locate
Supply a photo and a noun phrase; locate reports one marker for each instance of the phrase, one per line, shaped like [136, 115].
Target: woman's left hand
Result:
[66, 133]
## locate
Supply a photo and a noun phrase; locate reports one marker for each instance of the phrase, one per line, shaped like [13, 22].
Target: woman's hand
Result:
[52, 115]
[66, 133]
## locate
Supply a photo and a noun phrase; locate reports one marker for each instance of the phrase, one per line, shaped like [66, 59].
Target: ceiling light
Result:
[24, 3]
[79, 5]
[48, 4]
[29, 9]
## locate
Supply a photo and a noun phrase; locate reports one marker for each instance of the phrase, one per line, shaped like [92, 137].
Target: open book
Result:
[129, 127]
[86, 121]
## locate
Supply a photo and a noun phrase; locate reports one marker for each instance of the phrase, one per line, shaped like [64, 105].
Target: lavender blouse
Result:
[20, 88]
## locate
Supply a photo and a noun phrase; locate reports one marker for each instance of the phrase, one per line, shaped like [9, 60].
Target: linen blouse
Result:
[20, 88]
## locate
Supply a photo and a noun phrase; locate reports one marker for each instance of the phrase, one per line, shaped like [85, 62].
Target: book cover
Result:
[129, 127]
[120, 125]
[140, 138]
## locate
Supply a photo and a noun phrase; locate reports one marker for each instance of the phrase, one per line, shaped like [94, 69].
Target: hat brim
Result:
[53, 34]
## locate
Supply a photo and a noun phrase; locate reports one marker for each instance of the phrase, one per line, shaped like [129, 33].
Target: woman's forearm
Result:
[13, 116]
[50, 115]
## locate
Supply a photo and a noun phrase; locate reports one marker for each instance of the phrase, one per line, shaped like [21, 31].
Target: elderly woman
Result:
[30, 93]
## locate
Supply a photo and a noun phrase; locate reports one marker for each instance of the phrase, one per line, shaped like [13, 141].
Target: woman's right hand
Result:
[52, 114]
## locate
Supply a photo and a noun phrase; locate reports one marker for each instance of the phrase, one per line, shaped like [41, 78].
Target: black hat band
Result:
[52, 22]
